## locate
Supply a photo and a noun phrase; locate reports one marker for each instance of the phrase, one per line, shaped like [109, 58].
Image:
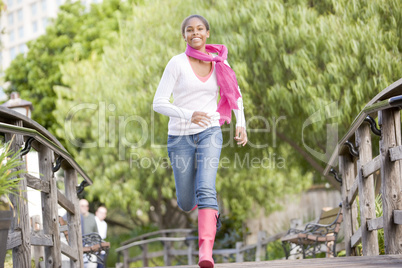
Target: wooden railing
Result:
[364, 176]
[23, 131]
[174, 246]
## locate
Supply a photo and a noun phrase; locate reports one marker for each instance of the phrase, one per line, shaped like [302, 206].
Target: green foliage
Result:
[2, 6]
[8, 263]
[9, 172]
[74, 35]
[275, 251]
[292, 59]
[230, 233]
[115, 237]
[380, 232]
[129, 139]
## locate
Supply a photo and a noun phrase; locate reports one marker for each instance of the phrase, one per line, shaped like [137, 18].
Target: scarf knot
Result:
[218, 59]
[225, 76]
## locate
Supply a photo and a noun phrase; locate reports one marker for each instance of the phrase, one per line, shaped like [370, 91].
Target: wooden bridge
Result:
[389, 261]
[23, 131]
[363, 178]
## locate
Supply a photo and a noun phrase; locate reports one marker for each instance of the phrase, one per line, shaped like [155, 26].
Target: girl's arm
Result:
[161, 102]
[241, 134]
[239, 114]
[240, 119]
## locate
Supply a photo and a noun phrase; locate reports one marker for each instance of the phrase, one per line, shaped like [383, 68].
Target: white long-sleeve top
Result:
[102, 227]
[190, 94]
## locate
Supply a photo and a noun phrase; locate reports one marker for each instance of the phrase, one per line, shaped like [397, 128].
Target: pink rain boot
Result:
[207, 221]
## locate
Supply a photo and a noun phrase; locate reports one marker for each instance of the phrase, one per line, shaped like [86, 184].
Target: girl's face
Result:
[196, 34]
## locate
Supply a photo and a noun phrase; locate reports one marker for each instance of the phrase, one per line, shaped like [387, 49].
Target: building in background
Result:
[23, 21]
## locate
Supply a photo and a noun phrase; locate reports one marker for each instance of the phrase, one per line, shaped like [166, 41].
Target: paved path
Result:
[367, 262]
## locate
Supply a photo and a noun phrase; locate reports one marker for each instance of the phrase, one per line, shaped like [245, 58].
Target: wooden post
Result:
[366, 191]
[259, 252]
[355, 213]
[377, 182]
[74, 220]
[239, 255]
[126, 257]
[166, 252]
[22, 253]
[145, 255]
[49, 208]
[347, 170]
[391, 180]
[37, 251]
[190, 250]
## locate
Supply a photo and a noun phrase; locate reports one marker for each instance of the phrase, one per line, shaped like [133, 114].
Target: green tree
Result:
[125, 172]
[300, 57]
[292, 59]
[74, 35]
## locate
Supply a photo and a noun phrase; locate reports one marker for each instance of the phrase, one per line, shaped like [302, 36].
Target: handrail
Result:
[371, 176]
[7, 128]
[19, 129]
[156, 239]
[190, 251]
[384, 100]
[167, 231]
[8, 116]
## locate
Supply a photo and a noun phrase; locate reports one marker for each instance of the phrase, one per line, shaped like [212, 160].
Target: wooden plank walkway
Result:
[367, 262]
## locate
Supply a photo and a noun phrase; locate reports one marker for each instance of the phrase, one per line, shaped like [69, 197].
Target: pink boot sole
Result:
[206, 264]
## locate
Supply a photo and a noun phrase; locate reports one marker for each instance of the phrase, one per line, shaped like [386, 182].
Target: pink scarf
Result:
[225, 76]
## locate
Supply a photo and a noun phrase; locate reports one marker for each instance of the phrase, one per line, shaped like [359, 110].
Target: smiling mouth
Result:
[196, 39]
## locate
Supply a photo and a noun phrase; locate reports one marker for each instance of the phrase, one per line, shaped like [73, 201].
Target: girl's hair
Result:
[183, 24]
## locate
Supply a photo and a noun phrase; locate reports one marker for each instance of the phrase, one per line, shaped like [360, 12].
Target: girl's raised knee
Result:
[187, 208]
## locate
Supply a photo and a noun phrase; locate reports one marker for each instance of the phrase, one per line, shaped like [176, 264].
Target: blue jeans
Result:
[195, 160]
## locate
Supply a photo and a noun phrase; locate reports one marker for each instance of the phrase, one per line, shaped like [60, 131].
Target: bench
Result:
[95, 249]
[309, 241]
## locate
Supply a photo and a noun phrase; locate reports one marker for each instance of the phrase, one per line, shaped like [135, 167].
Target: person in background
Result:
[88, 225]
[100, 216]
[88, 222]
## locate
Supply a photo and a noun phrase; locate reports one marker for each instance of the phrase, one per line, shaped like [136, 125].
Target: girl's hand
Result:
[201, 119]
[241, 136]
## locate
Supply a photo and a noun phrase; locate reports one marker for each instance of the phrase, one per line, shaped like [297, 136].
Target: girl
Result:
[196, 78]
